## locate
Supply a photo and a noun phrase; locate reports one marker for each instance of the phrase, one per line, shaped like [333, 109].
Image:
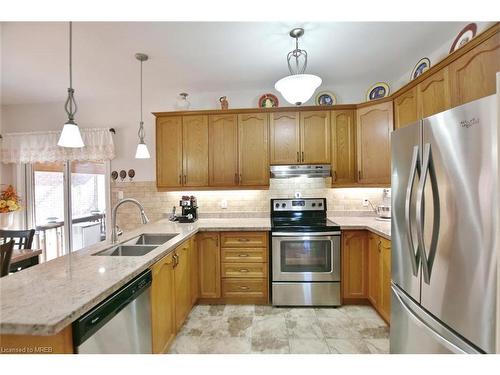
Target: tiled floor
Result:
[266, 329]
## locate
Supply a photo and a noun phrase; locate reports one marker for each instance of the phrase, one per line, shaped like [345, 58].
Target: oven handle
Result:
[304, 234]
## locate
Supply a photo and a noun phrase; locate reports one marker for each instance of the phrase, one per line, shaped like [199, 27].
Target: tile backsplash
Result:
[345, 201]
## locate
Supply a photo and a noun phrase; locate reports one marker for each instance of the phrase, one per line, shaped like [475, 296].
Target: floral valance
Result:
[40, 147]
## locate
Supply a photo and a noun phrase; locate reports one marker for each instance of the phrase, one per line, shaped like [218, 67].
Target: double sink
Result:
[138, 246]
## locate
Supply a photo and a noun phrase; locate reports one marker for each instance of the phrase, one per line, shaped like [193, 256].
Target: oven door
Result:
[306, 257]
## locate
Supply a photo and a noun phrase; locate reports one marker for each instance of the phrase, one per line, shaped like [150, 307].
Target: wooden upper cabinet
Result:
[169, 151]
[163, 304]
[285, 138]
[405, 108]
[374, 124]
[195, 150]
[315, 137]
[223, 150]
[343, 147]
[472, 76]
[433, 94]
[253, 149]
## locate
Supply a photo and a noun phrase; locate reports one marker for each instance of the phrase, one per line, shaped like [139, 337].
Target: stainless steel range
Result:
[305, 254]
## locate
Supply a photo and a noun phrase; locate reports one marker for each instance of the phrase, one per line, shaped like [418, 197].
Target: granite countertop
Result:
[42, 300]
[382, 228]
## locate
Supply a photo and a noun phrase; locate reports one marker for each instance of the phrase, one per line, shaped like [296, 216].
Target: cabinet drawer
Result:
[244, 288]
[244, 255]
[244, 239]
[245, 270]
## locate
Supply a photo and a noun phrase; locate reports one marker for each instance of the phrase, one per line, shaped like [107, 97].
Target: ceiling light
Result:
[142, 151]
[298, 87]
[70, 135]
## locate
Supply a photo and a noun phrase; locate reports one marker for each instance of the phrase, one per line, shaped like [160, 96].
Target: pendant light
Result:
[70, 135]
[142, 151]
[298, 87]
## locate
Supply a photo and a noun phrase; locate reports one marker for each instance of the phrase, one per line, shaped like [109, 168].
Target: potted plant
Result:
[9, 203]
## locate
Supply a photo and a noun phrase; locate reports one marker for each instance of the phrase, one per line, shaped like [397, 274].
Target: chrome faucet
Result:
[114, 232]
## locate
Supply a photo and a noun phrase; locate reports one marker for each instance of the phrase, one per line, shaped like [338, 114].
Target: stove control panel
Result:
[299, 204]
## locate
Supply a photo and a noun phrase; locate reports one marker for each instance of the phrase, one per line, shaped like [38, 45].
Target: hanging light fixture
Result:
[298, 87]
[142, 151]
[70, 135]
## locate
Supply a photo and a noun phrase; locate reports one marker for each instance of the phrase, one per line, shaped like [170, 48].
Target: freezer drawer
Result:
[414, 331]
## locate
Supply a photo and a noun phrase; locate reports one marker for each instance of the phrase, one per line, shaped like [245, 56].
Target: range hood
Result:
[287, 171]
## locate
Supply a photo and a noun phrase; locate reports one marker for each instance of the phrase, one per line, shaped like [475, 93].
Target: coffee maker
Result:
[189, 209]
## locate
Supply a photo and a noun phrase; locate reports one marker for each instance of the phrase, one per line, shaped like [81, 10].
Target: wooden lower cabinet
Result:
[182, 283]
[163, 304]
[366, 270]
[243, 289]
[194, 273]
[209, 264]
[60, 343]
[374, 269]
[354, 257]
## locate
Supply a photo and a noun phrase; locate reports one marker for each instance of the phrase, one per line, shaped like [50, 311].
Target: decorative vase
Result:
[6, 220]
[182, 102]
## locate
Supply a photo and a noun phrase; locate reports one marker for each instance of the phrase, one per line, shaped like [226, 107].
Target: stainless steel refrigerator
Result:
[444, 236]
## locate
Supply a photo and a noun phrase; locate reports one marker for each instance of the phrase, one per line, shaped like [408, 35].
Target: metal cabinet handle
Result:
[244, 270]
[298, 157]
[244, 288]
[243, 239]
[334, 176]
[180, 179]
[302, 155]
[359, 175]
[236, 178]
[243, 255]
[378, 246]
[185, 179]
[240, 179]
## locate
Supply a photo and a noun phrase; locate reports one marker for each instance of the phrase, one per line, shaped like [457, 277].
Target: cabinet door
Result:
[354, 265]
[385, 279]
[433, 94]
[315, 137]
[405, 108]
[223, 150]
[343, 147]
[163, 304]
[193, 270]
[195, 150]
[253, 149]
[374, 269]
[209, 264]
[473, 75]
[182, 284]
[169, 151]
[285, 138]
[374, 124]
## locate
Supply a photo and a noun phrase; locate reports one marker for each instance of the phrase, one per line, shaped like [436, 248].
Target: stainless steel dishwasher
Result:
[119, 324]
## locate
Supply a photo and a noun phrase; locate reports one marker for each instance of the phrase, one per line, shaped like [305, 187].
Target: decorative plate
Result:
[421, 67]
[326, 98]
[378, 91]
[268, 101]
[467, 33]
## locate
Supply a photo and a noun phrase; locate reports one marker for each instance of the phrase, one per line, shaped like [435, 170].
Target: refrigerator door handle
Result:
[420, 322]
[414, 255]
[427, 258]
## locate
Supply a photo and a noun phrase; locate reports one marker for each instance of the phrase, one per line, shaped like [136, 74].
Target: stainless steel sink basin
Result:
[152, 238]
[128, 250]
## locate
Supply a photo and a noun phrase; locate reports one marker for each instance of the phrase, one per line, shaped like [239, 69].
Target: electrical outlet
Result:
[223, 204]
[365, 202]
[120, 194]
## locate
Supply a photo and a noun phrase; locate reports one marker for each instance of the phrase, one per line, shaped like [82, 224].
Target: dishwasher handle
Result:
[92, 321]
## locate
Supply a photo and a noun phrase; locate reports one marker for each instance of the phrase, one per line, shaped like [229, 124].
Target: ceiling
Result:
[204, 56]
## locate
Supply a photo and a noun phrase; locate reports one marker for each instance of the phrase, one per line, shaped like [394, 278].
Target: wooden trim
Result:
[198, 188]
[373, 102]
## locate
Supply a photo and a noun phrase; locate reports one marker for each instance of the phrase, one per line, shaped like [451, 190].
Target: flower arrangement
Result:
[9, 200]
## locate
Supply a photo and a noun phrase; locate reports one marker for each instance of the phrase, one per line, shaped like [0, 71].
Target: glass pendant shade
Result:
[298, 88]
[142, 151]
[70, 136]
